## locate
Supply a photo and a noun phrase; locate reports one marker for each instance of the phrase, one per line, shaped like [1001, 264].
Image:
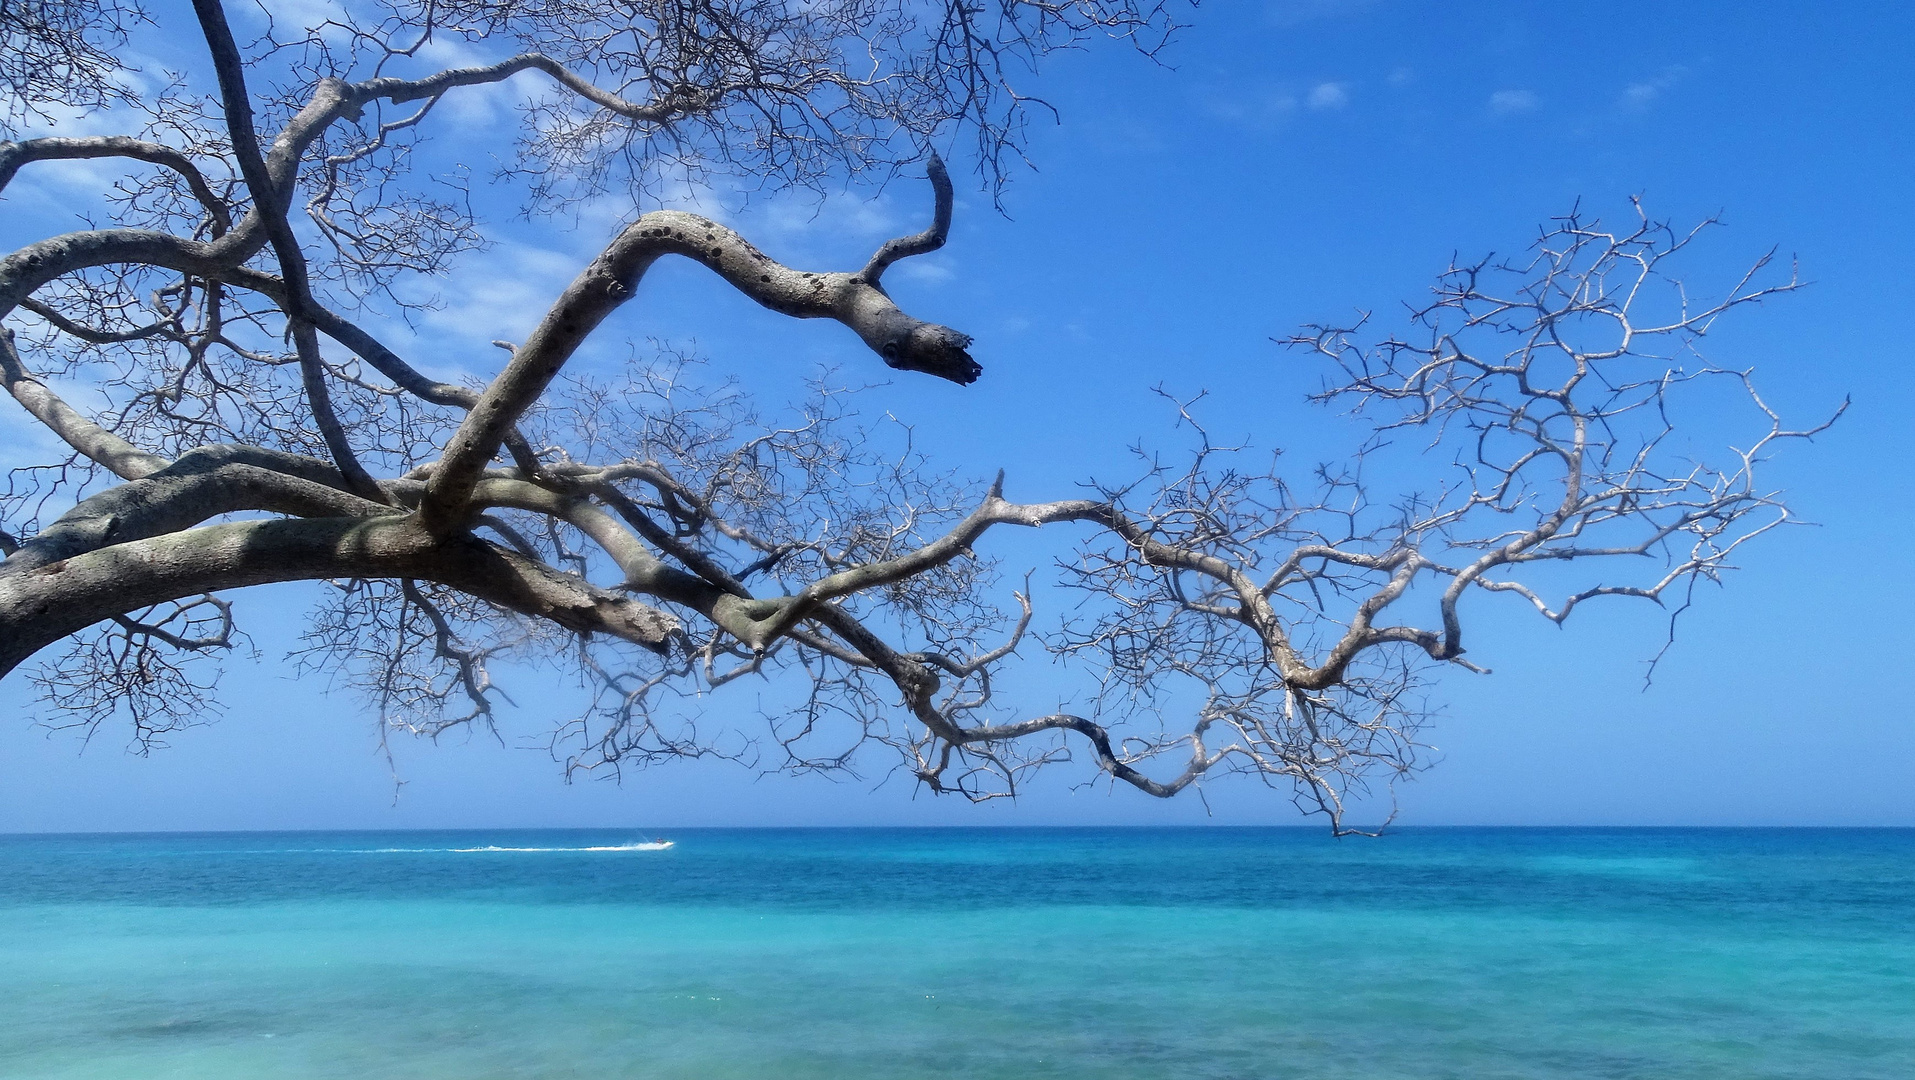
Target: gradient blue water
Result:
[963, 953]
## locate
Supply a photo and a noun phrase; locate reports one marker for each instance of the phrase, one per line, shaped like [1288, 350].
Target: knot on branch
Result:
[916, 680]
[623, 617]
[933, 350]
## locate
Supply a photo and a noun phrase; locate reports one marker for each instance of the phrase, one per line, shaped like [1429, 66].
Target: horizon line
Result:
[1022, 827]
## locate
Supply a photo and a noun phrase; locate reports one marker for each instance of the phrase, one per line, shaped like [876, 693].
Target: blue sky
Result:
[1291, 162]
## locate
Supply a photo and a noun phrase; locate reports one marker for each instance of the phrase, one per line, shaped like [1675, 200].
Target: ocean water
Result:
[1208, 953]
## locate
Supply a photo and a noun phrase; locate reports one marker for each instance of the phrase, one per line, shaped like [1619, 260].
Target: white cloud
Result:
[64, 184]
[1639, 95]
[501, 294]
[1511, 102]
[850, 217]
[486, 107]
[925, 270]
[289, 17]
[1253, 107]
[1402, 76]
[51, 196]
[1329, 95]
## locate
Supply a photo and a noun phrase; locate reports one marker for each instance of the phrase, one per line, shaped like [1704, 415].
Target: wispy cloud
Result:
[328, 17]
[1251, 107]
[840, 229]
[1640, 95]
[1329, 95]
[1402, 76]
[503, 294]
[486, 106]
[1512, 102]
[925, 269]
[59, 191]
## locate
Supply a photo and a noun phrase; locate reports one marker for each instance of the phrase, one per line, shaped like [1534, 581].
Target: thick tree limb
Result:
[202, 485]
[26, 270]
[45, 604]
[270, 200]
[904, 342]
[88, 438]
[14, 155]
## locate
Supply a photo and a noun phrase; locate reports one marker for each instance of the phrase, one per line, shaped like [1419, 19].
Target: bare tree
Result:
[238, 425]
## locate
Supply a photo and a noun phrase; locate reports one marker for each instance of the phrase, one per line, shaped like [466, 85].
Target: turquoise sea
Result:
[1212, 953]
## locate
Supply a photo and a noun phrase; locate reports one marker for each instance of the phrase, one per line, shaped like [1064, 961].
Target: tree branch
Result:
[922, 243]
[903, 341]
[14, 155]
[270, 201]
[41, 606]
[88, 438]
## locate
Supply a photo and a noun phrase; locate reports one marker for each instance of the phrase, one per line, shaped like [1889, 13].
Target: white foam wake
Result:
[649, 845]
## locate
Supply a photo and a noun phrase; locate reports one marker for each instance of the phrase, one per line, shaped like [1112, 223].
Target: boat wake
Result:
[650, 845]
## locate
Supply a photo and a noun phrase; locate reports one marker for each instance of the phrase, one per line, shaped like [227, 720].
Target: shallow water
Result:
[1478, 953]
